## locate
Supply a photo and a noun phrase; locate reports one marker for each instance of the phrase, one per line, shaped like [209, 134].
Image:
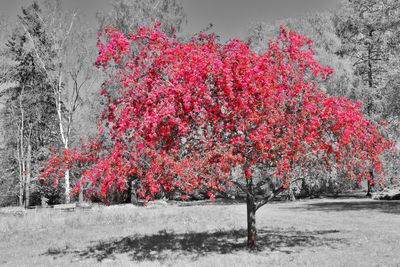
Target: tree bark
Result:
[81, 195]
[28, 175]
[21, 154]
[370, 72]
[369, 188]
[251, 223]
[292, 197]
[371, 173]
[21, 175]
[67, 187]
[251, 217]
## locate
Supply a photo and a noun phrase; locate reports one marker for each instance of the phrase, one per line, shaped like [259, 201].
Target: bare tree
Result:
[65, 60]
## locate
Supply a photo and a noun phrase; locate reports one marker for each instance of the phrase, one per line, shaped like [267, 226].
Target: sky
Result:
[231, 18]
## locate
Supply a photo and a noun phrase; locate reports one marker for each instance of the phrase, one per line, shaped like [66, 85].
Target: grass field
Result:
[325, 232]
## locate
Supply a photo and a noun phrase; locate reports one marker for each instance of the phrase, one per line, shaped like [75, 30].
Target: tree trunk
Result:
[21, 155]
[369, 188]
[370, 77]
[251, 223]
[21, 178]
[371, 173]
[28, 175]
[81, 195]
[251, 217]
[21, 192]
[133, 196]
[67, 187]
[64, 135]
[292, 197]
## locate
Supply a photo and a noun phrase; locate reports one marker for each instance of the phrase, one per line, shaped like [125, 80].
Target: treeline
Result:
[49, 82]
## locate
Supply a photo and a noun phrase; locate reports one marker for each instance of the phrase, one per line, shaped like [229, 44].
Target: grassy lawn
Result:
[325, 232]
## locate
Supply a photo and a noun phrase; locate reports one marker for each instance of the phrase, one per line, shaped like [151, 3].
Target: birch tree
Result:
[28, 107]
[63, 56]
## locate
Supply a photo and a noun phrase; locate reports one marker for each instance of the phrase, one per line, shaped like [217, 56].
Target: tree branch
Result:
[267, 199]
[274, 194]
[241, 187]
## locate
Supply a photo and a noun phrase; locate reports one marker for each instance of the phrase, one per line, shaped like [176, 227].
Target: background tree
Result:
[62, 53]
[369, 32]
[127, 15]
[28, 106]
[61, 50]
[9, 192]
[55, 45]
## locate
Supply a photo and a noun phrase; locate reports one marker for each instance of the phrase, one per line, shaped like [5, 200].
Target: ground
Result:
[322, 232]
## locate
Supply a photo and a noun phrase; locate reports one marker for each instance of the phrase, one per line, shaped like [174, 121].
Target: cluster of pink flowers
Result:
[186, 113]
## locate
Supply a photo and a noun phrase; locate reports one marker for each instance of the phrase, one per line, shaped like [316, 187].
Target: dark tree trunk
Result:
[369, 189]
[370, 77]
[251, 217]
[369, 184]
[291, 195]
[132, 193]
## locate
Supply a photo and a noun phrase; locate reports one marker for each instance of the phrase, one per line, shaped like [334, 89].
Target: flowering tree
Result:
[76, 161]
[188, 113]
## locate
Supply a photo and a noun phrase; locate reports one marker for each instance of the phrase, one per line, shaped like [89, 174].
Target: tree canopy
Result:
[188, 113]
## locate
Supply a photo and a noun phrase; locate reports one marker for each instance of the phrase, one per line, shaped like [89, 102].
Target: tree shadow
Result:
[207, 202]
[164, 245]
[386, 206]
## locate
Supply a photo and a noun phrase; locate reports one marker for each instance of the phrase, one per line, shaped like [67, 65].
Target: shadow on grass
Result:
[390, 206]
[207, 202]
[166, 245]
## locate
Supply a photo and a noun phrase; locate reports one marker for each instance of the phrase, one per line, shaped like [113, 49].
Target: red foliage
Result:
[186, 113]
[73, 160]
